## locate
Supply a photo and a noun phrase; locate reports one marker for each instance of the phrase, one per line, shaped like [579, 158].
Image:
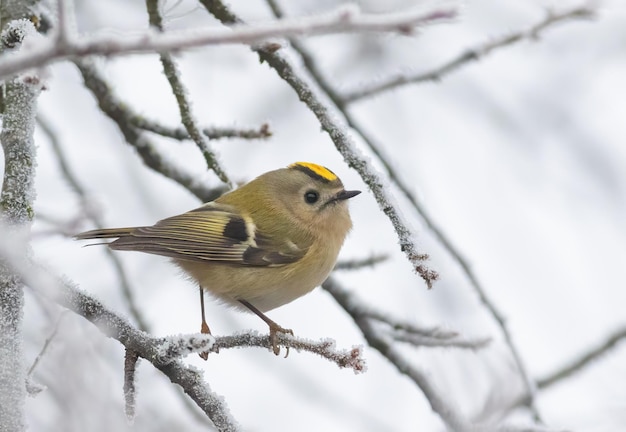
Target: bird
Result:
[258, 247]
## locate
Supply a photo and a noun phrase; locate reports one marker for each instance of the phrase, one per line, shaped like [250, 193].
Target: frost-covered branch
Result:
[118, 112]
[343, 142]
[67, 294]
[172, 73]
[586, 11]
[380, 341]
[342, 20]
[384, 342]
[212, 133]
[16, 215]
[174, 347]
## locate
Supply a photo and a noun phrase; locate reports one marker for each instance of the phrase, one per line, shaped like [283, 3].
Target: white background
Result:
[518, 157]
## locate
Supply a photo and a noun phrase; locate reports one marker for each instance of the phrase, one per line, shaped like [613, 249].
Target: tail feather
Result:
[104, 233]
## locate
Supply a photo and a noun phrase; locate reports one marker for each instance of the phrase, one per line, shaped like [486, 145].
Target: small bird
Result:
[257, 247]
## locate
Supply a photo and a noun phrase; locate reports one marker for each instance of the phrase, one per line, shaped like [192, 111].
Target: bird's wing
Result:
[213, 232]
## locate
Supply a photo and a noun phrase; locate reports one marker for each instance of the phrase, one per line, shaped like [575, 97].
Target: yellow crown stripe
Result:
[316, 170]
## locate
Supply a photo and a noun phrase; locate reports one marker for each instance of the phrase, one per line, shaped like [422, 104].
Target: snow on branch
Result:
[212, 133]
[586, 11]
[67, 294]
[173, 347]
[345, 19]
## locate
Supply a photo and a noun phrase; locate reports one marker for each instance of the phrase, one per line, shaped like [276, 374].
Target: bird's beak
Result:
[344, 195]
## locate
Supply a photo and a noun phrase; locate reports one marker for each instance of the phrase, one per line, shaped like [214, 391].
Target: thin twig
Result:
[573, 367]
[212, 133]
[172, 73]
[46, 344]
[472, 54]
[342, 20]
[358, 264]
[343, 142]
[576, 365]
[419, 340]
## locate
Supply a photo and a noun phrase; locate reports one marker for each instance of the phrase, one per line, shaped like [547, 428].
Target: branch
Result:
[438, 402]
[357, 264]
[343, 142]
[176, 346]
[46, 344]
[117, 111]
[419, 340]
[576, 365]
[473, 54]
[573, 367]
[65, 293]
[172, 73]
[211, 133]
[16, 214]
[341, 20]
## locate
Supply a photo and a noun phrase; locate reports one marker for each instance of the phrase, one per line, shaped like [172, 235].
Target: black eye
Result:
[311, 196]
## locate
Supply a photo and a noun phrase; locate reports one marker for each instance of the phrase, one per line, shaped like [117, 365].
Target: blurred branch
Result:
[430, 332]
[342, 20]
[439, 403]
[358, 264]
[473, 54]
[46, 344]
[118, 112]
[212, 133]
[385, 344]
[419, 340]
[577, 364]
[172, 73]
[343, 142]
[94, 217]
[574, 366]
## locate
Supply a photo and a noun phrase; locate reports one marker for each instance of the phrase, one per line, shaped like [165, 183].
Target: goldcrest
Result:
[260, 246]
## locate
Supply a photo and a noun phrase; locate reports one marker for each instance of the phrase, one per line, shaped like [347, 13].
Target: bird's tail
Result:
[104, 233]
